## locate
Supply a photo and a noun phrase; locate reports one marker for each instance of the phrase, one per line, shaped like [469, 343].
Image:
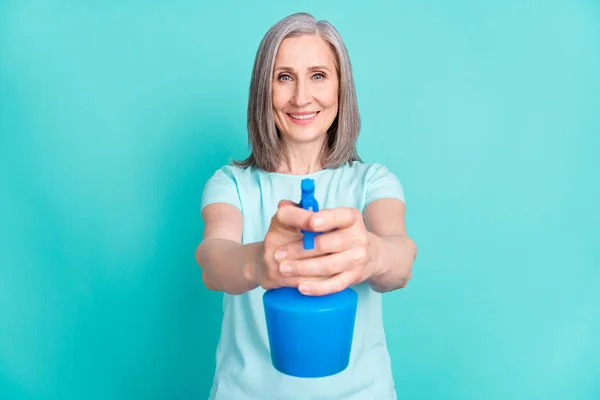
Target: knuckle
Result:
[271, 274]
[319, 242]
[362, 255]
[279, 215]
[328, 243]
[329, 268]
[362, 239]
[266, 257]
[269, 238]
[318, 264]
[276, 219]
[366, 254]
[336, 286]
[292, 281]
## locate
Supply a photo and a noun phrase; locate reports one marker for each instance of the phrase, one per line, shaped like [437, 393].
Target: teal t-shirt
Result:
[243, 364]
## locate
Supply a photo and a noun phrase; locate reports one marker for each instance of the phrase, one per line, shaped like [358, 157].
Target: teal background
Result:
[114, 114]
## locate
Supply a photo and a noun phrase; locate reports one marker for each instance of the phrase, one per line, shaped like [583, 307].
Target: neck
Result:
[302, 160]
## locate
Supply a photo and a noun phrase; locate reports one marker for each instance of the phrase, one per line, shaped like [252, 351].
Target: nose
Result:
[302, 93]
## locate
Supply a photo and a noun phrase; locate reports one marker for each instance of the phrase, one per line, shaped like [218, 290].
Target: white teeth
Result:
[305, 116]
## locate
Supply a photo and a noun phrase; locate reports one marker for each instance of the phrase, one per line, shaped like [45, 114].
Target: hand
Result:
[284, 229]
[344, 255]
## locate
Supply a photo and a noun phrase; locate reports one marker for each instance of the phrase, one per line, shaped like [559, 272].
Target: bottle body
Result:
[310, 336]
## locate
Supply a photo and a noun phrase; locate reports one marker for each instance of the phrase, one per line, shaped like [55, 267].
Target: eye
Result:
[318, 76]
[284, 77]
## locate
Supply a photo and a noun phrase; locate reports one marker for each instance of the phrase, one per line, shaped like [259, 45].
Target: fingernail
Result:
[304, 287]
[280, 255]
[285, 268]
[317, 221]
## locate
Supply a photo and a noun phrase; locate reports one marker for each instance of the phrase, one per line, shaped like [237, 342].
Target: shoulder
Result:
[378, 181]
[368, 172]
[223, 185]
[230, 174]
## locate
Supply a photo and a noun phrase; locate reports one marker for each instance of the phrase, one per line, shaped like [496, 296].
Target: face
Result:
[305, 89]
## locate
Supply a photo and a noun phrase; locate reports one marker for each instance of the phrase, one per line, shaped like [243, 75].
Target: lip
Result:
[304, 121]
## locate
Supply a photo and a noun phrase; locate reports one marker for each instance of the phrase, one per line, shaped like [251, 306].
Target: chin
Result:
[305, 136]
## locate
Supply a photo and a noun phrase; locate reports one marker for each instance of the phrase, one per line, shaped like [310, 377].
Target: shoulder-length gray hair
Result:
[263, 136]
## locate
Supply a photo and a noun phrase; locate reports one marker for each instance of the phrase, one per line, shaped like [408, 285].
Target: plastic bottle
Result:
[310, 336]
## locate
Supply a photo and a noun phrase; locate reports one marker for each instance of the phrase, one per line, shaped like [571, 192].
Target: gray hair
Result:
[263, 136]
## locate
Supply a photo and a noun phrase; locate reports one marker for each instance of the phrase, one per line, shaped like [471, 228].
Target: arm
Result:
[393, 252]
[227, 264]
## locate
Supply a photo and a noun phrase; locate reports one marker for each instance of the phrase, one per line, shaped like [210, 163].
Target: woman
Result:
[303, 122]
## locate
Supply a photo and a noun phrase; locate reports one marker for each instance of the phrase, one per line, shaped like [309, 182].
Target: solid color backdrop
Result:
[114, 114]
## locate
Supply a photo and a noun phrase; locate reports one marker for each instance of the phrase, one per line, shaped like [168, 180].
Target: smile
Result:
[304, 117]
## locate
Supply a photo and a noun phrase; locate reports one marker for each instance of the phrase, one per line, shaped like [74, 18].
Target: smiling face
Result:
[305, 89]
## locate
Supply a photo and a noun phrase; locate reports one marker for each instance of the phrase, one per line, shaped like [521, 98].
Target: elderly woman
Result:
[303, 122]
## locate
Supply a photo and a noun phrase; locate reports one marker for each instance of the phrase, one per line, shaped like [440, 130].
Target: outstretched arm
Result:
[393, 251]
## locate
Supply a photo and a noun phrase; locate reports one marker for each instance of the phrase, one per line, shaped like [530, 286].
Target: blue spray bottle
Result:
[310, 336]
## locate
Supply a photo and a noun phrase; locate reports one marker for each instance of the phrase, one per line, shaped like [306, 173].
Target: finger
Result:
[290, 281]
[334, 218]
[290, 216]
[326, 243]
[284, 203]
[335, 284]
[295, 281]
[324, 265]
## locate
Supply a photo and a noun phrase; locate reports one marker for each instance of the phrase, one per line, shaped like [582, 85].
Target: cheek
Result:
[279, 98]
[331, 98]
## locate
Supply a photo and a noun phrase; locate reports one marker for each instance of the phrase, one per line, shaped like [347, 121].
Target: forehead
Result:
[304, 51]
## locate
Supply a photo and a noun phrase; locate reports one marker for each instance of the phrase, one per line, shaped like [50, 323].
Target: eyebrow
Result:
[313, 68]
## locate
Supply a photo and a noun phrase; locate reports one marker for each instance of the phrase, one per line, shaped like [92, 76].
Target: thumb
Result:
[284, 203]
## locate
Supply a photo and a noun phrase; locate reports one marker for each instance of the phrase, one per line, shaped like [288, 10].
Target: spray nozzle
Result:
[308, 202]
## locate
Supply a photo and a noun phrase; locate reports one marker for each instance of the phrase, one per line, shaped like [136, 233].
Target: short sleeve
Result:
[382, 183]
[221, 187]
